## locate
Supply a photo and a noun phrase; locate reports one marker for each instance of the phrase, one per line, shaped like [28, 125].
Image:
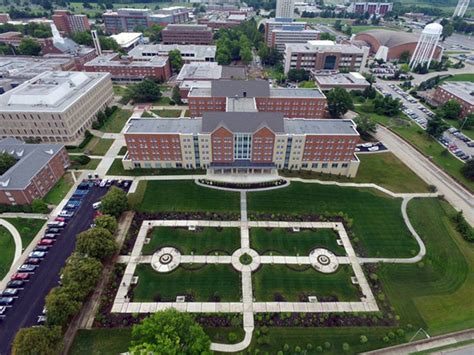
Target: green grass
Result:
[199, 242]
[116, 121]
[27, 227]
[123, 151]
[307, 84]
[7, 251]
[91, 165]
[163, 101]
[284, 242]
[101, 341]
[362, 28]
[437, 296]
[377, 219]
[204, 283]
[383, 169]
[184, 196]
[96, 146]
[461, 77]
[117, 169]
[167, 113]
[119, 90]
[57, 193]
[272, 279]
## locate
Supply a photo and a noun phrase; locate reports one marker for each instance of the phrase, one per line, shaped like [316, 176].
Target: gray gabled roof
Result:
[31, 158]
[240, 88]
[242, 122]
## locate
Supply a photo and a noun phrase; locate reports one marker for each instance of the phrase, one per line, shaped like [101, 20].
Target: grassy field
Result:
[96, 146]
[438, 295]
[183, 196]
[57, 193]
[123, 151]
[27, 227]
[116, 121]
[280, 279]
[200, 242]
[117, 169]
[284, 242]
[461, 77]
[383, 169]
[357, 29]
[377, 219]
[167, 113]
[205, 283]
[7, 251]
[91, 165]
[101, 341]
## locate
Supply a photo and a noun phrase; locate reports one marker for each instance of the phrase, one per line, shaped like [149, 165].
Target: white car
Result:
[374, 148]
[3, 310]
[103, 183]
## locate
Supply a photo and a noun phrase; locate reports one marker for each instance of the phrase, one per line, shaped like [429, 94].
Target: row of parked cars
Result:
[53, 232]
[453, 148]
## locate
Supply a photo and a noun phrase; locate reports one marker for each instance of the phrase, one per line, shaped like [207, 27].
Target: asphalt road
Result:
[29, 305]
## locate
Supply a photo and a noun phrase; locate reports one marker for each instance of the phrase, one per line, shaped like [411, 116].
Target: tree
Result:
[468, 121]
[169, 332]
[246, 55]
[369, 92]
[38, 340]
[114, 202]
[436, 126]
[145, 91]
[339, 102]
[387, 106]
[448, 30]
[326, 36]
[404, 57]
[176, 95]
[468, 170]
[29, 46]
[61, 307]
[96, 243]
[451, 110]
[365, 126]
[107, 222]
[6, 162]
[298, 75]
[176, 60]
[39, 206]
[80, 275]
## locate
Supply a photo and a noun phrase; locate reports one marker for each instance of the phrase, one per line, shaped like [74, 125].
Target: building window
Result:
[304, 165]
[242, 146]
[345, 165]
[334, 165]
[314, 165]
[324, 165]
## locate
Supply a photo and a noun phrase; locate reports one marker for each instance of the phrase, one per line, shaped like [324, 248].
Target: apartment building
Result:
[54, 106]
[372, 8]
[277, 24]
[242, 143]
[180, 14]
[189, 52]
[256, 95]
[70, 23]
[461, 91]
[37, 169]
[279, 38]
[126, 69]
[285, 8]
[186, 34]
[325, 55]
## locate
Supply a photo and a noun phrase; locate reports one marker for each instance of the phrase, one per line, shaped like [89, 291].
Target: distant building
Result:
[256, 95]
[189, 52]
[126, 69]
[54, 106]
[461, 91]
[278, 23]
[128, 40]
[348, 81]
[4, 17]
[243, 143]
[70, 23]
[38, 168]
[217, 24]
[285, 8]
[325, 55]
[279, 38]
[187, 34]
[371, 8]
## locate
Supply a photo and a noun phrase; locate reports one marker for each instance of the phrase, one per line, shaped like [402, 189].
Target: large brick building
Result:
[461, 91]
[325, 55]
[371, 8]
[242, 143]
[256, 95]
[70, 23]
[38, 168]
[186, 34]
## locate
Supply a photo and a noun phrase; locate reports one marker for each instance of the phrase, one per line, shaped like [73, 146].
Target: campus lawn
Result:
[117, 169]
[281, 279]
[101, 341]
[199, 242]
[182, 196]
[383, 169]
[116, 121]
[7, 251]
[167, 113]
[91, 165]
[362, 28]
[57, 193]
[27, 227]
[123, 151]
[436, 295]
[377, 218]
[95, 146]
[461, 77]
[281, 241]
[204, 282]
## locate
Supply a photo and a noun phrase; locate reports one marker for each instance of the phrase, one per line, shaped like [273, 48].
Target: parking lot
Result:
[24, 298]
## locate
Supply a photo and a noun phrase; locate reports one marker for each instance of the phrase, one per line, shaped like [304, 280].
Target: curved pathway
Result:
[16, 237]
[230, 348]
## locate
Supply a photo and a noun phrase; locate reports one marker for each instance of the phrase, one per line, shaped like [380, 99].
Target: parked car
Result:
[103, 183]
[37, 254]
[66, 214]
[56, 224]
[46, 242]
[20, 276]
[6, 301]
[15, 284]
[44, 248]
[53, 230]
[3, 310]
[50, 236]
[41, 320]
[96, 205]
[33, 261]
[27, 268]
[10, 292]
[60, 219]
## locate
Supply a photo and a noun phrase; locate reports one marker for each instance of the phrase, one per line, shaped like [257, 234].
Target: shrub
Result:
[327, 345]
[232, 337]
[363, 339]
[345, 347]
[463, 227]
[297, 349]
[319, 349]
[39, 206]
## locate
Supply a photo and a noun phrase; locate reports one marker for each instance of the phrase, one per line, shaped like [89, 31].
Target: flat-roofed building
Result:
[54, 106]
[126, 69]
[348, 81]
[180, 14]
[186, 34]
[128, 40]
[189, 52]
[461, 91]
[125, 20]
[242, 143]
[70, 23]
[279, 38]
[278, 23]
[371, 8]
[325, 55]
[37, 169]
[251, 95]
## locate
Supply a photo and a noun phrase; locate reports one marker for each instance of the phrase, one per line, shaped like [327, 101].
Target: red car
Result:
[20, 276]
[60, 219]
[46, 242]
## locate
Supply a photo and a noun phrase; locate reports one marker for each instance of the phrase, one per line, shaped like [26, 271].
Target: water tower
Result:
[427, 44]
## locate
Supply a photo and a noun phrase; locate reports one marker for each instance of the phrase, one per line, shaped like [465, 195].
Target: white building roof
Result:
[126, 39]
